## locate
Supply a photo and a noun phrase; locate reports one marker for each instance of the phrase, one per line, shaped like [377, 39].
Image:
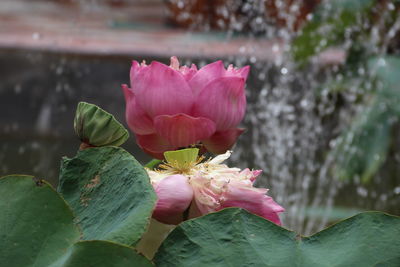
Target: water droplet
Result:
[17, 88]
[304, 103]
[59, 70]
[397, 190]
[275, 48]
[362, 191]
[36, 36]
[21, 150]
[381, 62]
[259, 20]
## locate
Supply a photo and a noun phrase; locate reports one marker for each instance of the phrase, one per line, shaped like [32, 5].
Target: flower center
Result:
[181, 161]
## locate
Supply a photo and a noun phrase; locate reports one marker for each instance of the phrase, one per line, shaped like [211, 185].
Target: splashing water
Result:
[285, 139]
[291, 122]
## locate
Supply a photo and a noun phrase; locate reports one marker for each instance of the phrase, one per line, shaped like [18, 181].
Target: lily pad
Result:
[110, 193]
[37, 229]
[235, 237]
[101, 254]
[36, 225]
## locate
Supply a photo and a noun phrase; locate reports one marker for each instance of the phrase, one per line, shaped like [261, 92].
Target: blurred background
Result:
[323, 93]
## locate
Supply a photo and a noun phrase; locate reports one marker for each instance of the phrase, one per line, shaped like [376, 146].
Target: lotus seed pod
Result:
[96, 127]
[183, 158]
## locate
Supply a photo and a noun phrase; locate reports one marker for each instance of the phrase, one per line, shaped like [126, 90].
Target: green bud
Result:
[96, 127]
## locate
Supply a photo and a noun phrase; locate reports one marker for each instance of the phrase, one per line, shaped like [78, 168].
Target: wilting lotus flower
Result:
[207, 187]
[171, 107]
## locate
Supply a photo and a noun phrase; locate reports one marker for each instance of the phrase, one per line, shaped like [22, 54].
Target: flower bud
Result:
[172, 107]
[96, 127]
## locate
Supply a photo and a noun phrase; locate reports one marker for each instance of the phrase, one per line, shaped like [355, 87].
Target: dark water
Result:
[38, 95]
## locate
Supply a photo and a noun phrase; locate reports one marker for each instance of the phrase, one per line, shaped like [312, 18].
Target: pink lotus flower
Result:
[170, 107]
[208, 187]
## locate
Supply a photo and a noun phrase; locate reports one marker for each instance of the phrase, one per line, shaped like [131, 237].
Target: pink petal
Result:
[234, 72]
[154, 145]
[136, 73]
[207, 74]
[138, 121]
[223, 101]
[174, 195]
[252, 175]
[182, 130]
[244, 72]
[187, 72]
[135, 68]
[206, 200]
[252, 199]
[184, 70]
[221, 141]
[256, 173]
[162, 90]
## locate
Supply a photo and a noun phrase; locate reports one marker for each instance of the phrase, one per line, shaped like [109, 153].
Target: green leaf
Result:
[152, 164]
[101, 254]
[234, 237]
[109, 192]
[36, 225]
[97, 127]
[37, 229]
